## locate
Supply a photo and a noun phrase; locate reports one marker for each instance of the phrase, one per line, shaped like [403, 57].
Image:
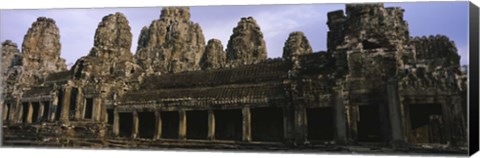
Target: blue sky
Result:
[77, 26]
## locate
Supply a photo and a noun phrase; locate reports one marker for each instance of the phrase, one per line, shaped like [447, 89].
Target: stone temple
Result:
[374, 86]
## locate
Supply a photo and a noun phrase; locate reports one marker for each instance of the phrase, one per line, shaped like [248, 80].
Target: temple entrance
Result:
[88, 108]
[36, 108]
[267, 124]
[125, 124]
[73, 103]
[197, 124]
[110, 116]
[228, 124]
[369, 125]
[146, 124]
[25, 112]
[46, 109]
[170, 124]
[427, 125]
[320, 124]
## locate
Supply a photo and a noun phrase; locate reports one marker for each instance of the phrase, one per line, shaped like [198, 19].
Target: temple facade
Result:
[375, 85]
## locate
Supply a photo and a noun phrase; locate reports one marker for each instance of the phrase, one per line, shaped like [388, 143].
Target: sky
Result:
[77, 26]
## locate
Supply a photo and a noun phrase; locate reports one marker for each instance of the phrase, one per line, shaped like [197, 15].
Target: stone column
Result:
[40, 111]
[54, 106]
[182, 131]
[80, 105]
[4, 114]
[394, 111]
[246, 130]
[339, 116]
[300, 120]
[98, 111]
[30, 112]
[135, 124]
[158, 125]
[17, 115]
[211, 125]
[66, 104]
[50, 111]
[288, 124]
[116, 122]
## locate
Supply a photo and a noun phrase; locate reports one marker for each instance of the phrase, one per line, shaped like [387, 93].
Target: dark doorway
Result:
[126, 124]
[8, 107]
[88, 108]
[73, 103]
[58, 111]
[46, 109]
[267, 124]
[110, 117]
[369, 125]
[228, 124]
[197, 124]
[320, 124]
[36, 108]
[427, 123]
[146, 124]
[170, 122]
[24, 112]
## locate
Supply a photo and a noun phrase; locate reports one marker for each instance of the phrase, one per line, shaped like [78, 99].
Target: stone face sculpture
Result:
[246, 44]
[296, 44]
[41, 50]
[171, 44]
[214, 56]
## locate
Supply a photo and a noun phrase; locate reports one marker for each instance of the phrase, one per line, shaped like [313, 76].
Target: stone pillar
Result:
[246, 130]
[30, 112]
[50, 111]
[339, 116]
[158, 125]
[98, 111]
[17, 115]
[300, 120]
[80, 105]
[40, 111]
[288, 124]
[135, 124]
[394, 111]
[4, 114]
[211, 125]
[182, 131]
[66, 104]
[116, 122]
[53, 106]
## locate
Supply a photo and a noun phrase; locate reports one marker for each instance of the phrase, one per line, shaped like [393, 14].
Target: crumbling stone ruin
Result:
[246, 44]
[171, 44]
[214, 56]
[374, 87]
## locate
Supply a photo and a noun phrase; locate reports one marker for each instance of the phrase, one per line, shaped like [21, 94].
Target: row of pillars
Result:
[26, 115]
[182, 131]
[340, 134]
[61, 102]
[79, 106]
[295, 128]
[340, 128]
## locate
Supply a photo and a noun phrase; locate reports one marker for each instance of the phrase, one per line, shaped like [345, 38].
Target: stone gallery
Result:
[375, 88]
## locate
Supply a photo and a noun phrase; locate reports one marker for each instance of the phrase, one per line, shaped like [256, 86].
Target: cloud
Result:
[462, 50]
[275, 22]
